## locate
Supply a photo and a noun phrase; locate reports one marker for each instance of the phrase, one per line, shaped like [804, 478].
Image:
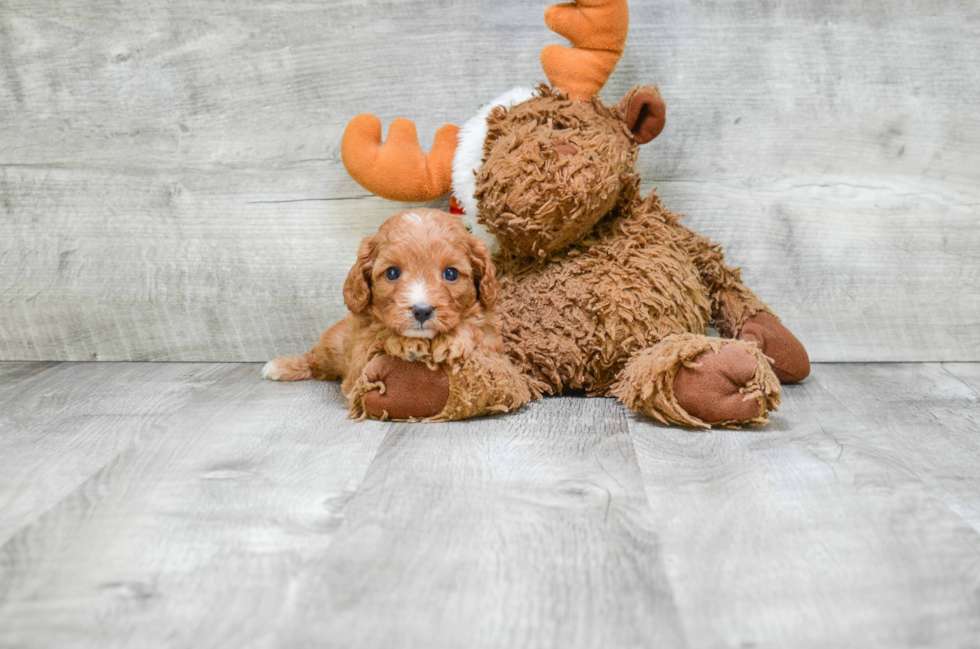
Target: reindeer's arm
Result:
[737, 312]
[732, 303]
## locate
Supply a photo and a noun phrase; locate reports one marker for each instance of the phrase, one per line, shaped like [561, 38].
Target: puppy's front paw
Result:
[411, 390]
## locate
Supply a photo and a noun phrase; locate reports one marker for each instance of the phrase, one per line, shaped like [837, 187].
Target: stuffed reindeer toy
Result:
[601, 290]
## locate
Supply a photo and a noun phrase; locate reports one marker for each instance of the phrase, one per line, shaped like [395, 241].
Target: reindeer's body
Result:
[640, 287]
[572, 321]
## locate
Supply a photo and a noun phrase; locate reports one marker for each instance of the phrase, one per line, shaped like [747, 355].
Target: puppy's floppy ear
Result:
[644, 113]
[357, 287]
[484, 273]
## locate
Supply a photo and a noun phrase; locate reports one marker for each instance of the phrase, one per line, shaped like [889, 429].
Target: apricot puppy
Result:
[421, 297]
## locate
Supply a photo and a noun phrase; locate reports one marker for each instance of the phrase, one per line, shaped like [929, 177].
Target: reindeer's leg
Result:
[696, 380]
[484, 382]
[325, 362]
[737, 313]
[481, 383]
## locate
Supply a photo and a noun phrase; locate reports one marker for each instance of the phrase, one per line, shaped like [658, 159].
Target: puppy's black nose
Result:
[422, 312]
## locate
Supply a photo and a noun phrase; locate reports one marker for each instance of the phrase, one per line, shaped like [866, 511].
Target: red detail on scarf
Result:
[455, 207]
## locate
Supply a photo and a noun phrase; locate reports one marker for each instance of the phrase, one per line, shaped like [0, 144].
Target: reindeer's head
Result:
[537, 168]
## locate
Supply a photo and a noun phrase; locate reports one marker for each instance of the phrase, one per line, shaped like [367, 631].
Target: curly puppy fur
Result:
[591, 274]
[459, 336]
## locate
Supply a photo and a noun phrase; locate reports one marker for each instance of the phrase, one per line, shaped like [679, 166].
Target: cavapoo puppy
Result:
[420, 331]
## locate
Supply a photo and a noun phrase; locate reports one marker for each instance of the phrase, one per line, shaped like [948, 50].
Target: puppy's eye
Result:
[450, 274]
[393, 273]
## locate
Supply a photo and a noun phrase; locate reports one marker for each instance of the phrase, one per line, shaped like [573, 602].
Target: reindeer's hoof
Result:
[790, 361]
[412, 390]
[712, 390]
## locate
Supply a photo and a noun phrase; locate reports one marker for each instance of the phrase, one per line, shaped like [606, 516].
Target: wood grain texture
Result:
[526, 531]
[171, 188]
[825, 528]
[63, 422]
[915, 407]
[245, 513]
[191, 533]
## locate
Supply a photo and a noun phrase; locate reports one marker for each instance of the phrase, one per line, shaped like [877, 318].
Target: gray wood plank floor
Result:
[194, 505]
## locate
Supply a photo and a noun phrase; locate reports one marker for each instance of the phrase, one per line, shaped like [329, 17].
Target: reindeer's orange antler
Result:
[398, 170]
[597, 29]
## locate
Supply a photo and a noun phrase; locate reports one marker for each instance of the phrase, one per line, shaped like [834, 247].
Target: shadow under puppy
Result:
[419, 341]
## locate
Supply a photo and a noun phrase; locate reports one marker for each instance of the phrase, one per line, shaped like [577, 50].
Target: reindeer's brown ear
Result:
[644, 112]
[484, 273]
[357, 287]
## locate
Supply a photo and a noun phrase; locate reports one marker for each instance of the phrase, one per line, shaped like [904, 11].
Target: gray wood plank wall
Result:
[171, 187]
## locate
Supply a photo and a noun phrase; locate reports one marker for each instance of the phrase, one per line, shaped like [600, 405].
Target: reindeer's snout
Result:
[563, 147]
